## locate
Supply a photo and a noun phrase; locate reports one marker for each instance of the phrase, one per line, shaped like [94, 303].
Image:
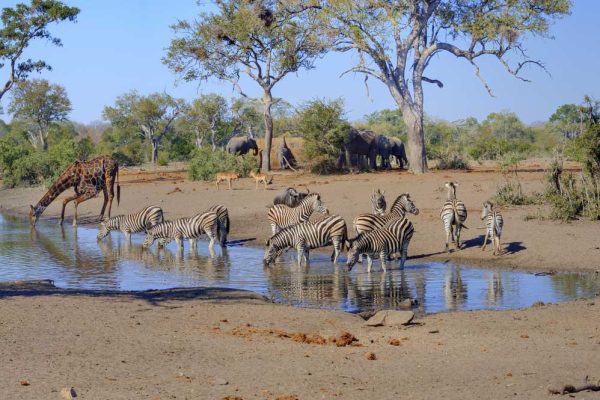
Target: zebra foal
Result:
[281, 216]
[308, 235]
[140, 221]
[184, 228]
[493, 226]
[391, 239]
[453, 216]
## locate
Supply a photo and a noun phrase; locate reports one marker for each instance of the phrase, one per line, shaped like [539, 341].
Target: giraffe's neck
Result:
[64, 182]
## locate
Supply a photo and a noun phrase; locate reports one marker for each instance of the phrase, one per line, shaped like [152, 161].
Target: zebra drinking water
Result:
[378, 202]
[308, 235]
[394, 238]
[184, 228]
[453, 215]
[281, 216]
[137, 222]
[493, 226]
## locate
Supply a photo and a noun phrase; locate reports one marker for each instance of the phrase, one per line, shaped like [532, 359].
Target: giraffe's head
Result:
[34, 213]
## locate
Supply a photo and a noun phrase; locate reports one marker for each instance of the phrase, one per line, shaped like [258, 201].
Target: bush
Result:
[324, 130]
[452, 161]
[162, 159]
[205, 164]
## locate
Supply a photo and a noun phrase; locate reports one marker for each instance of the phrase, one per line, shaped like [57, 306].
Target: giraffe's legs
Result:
[105, 192]
[83, 197]
[64, 205]
[109, 184]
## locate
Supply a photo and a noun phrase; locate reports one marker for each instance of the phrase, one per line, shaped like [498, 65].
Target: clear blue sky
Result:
[116, 46]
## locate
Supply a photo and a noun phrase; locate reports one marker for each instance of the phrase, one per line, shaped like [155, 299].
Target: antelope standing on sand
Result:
[87, 178]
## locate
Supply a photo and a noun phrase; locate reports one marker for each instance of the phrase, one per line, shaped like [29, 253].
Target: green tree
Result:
[207, 117]
[39, 105]
[322, 125]
[265, 40]
[568, 119]
[151, 116]
[387, 122]
[397, 40]
[20, 26]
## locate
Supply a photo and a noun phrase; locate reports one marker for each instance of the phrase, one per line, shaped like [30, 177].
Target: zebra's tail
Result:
[456, 218]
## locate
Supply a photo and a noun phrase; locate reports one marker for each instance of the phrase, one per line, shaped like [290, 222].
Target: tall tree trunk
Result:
[154, 150]
[417, 157]
[267, 100]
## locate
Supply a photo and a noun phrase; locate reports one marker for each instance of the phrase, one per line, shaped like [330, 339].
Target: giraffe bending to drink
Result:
[87, 178]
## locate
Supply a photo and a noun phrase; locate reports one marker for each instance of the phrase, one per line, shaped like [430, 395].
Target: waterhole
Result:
[73, 258]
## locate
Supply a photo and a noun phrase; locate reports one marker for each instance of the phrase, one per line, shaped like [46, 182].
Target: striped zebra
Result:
[493, 226]
[281, 216]
[184, 228]
[383, 242]
[137, 222]
[453, 215]
[223, 221]
[367, 222]
[378, 202]
[308, 235]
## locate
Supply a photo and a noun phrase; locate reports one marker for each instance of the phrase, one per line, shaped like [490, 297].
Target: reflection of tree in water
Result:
[495, 289]
[576, 285]
[455, 290]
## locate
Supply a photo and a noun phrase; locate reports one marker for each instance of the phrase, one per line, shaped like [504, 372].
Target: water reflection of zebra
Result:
[306, 236]
[137, 222]
[281, 216]
[453, 215]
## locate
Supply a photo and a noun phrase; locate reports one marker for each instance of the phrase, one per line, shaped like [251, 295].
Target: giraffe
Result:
[87, 179]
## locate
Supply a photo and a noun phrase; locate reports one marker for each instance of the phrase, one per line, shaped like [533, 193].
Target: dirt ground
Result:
[219, 344]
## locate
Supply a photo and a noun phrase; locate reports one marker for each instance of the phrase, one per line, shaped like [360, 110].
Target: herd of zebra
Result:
[378, 234]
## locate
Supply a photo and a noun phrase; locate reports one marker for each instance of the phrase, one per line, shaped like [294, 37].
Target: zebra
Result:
[132, 223]
[184, 228]
[453, 214]
[378, 202]
[367, 222]
[281, 216]
[391, 239]
[308, 235]
[223, 221]
[493, 226]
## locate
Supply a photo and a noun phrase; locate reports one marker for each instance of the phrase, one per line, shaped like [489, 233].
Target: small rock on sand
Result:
[391, 318]
[68, 393]
[221, 381]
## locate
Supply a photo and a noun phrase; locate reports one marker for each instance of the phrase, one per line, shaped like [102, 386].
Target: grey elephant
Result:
[384, 150]
[241, 145]
[399, 151]
[359, 145]
[285, 157]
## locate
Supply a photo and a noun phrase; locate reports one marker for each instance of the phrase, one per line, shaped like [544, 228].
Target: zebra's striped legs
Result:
[457, 242]
[274, 229]
[496, 244]
[337, 248]
[369, 262]
[485, 239]
[404, 254]
[383, 257]
[448, 236]
[128, 237]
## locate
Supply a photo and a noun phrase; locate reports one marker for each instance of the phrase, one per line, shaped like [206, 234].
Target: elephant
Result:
[398, 150]
[384, 150]
[241, 145]
[285, 157]
[359, 143]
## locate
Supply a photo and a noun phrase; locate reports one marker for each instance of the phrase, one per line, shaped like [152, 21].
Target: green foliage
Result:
[205, 164]
[125, 145]
[20, 26]
[163, 159]
[324, 130]
[387, 122]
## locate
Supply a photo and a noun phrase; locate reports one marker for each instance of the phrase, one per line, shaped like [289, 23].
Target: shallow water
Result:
[72, 258]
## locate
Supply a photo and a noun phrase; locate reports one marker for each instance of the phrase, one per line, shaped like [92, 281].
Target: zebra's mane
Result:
[397, 202]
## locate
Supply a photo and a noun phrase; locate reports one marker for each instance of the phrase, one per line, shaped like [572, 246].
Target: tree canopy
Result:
[397, 41]
[20, 26]
[265, 40]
